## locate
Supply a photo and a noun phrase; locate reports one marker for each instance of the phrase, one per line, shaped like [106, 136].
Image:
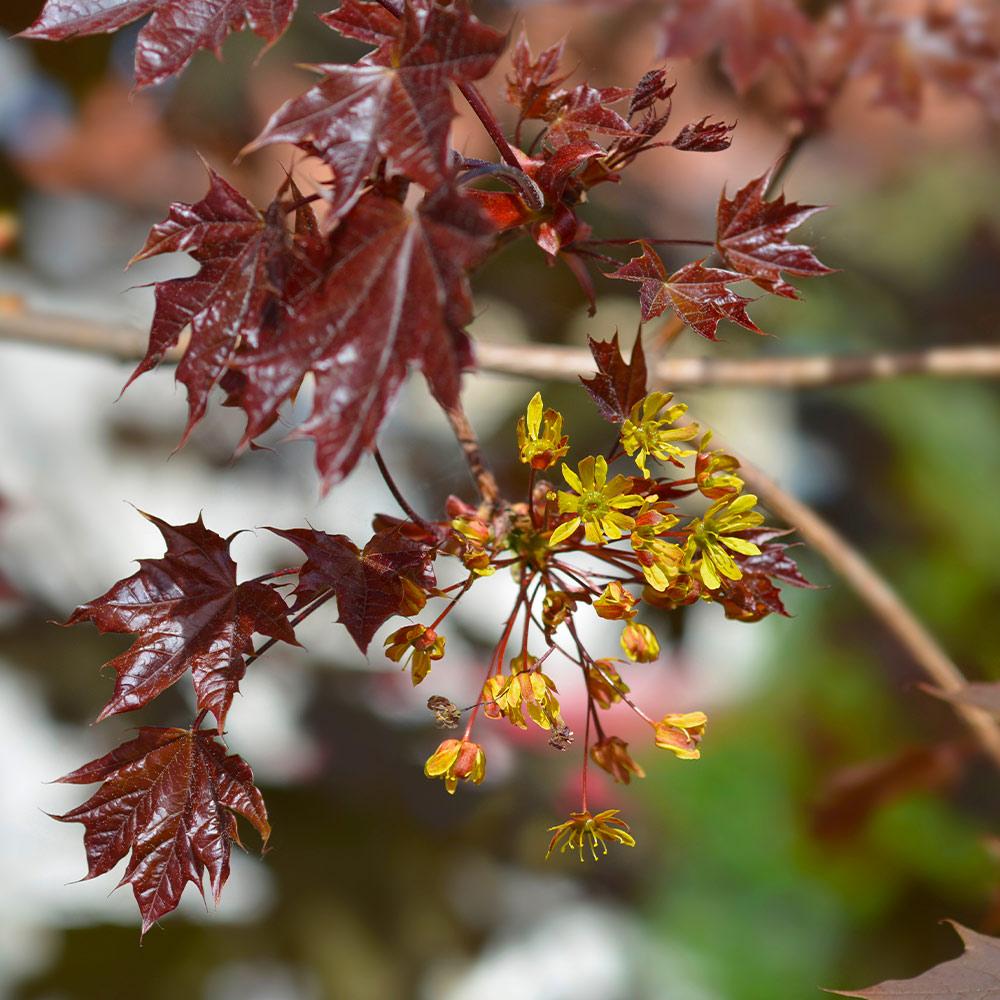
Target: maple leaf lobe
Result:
[176, 30]
[751, 237]
[188, 614]
[170, 797]
[366, 582]
[618, 385]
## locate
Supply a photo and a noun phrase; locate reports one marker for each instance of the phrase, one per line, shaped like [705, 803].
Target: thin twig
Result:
[542, 361]
[486, 484]
[395, 490]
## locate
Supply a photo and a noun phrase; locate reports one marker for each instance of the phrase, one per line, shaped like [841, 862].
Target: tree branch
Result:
[557, 362]
[876, 592]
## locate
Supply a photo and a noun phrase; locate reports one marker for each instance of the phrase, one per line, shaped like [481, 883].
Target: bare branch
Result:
[876, 592]
[556, 362]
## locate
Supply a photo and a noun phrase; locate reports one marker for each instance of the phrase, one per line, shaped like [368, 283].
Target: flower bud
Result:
[682, 733]
[422, 644]
[612, 754]
[615, 603]
[413, 599]
[456, 760]
[639, 643]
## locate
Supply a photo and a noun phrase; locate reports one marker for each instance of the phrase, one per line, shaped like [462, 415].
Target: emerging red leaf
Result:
[750, 33]
[704, 136]
[189, 614]
[393, 103]
[248, 261]
[972, 976]
[368, 583]
[396, 295]
[751, 237]
[697, 294]
[170, 796]
[534, 86]
[617, 386]
[175, 32]
[756, 596]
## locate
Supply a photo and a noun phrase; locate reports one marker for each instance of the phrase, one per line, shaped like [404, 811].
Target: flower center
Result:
[593, 504]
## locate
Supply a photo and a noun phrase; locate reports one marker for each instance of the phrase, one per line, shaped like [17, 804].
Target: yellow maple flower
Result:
[595, 503]
[640, 643]
[422, 644]
[615, 604]
[681, 734]
[709, 537]
[647, 431]
[456, 760]
[525, 689]
[539, 435]
[593, 832]
[715, 471]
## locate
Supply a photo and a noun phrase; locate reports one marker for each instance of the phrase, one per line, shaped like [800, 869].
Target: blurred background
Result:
[838, 813]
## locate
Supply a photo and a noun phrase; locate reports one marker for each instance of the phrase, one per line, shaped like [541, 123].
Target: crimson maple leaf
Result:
[170, 796]
[248, 262]
[697, 294]
[396, 295]
[750, 34]
[188, 613]
[368, 582]
[618, 385]
[393, 103]
[751, 237]
[176, 30]
[755, 595]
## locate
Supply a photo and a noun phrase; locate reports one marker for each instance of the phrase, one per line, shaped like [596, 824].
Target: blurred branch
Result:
[876, 592]
[567, 362]
[556, 362]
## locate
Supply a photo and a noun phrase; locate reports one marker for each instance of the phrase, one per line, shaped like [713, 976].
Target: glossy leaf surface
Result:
[751, 237]
[176, 30]
[367, 581]
[697, 294]
[170, 797]
[189, 615]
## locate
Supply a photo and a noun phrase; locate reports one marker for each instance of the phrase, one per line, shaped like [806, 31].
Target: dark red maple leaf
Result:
[751, 237]
[393, 103]
[174, 33]
[170, 796]
[396, 295]
[750, 33]
[368, 582]
[697, 294]
[755, 595]
[249, 261]
[618, 385]
[188, 613]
